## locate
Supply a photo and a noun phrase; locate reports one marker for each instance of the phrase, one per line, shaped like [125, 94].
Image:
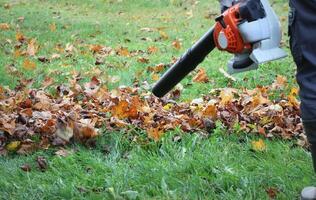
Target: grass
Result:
[221, 166]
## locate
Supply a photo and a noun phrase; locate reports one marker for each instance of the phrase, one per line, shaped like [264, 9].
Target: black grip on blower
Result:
[187, 63]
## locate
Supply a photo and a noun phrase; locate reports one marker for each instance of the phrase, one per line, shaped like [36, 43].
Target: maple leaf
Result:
[201, 76]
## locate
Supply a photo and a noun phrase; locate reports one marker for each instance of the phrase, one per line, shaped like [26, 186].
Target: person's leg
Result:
[302, 31]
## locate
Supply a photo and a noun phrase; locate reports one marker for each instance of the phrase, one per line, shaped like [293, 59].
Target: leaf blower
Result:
[249, 29]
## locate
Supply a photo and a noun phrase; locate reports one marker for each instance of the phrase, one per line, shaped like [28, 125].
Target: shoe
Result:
[308, 193]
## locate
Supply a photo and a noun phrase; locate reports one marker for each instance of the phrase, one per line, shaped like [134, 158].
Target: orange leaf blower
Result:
[249, 29]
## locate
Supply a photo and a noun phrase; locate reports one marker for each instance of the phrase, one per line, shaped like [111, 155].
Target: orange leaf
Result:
[20, 37]
[4, 26]
[201, 77]
[210, 111]
[155, 133]
[176, 44]
[143, 60]
[29, 65]
[96, 48]
[152, 49]
[122, 51]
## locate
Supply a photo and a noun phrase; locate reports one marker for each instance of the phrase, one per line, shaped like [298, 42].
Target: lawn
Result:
[221, 165]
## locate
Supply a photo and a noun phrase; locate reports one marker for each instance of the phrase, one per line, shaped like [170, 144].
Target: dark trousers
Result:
[302, 31]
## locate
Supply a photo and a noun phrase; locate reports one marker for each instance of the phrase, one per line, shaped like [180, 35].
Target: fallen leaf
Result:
[52, 27]
[26, 167]
[20, 37]
[201, 76]
[42, 163]
[32, 47]
[13, 146]
[258, 145]
[155, 133]
[152, 49]
[163, 35]
[177, 44]
[29, 65]
[4, 26]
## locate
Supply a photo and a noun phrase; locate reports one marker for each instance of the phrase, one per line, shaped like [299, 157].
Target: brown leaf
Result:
[201, 76]
[26, 167]
[52, 27]
[143, 60]
[42, 163]
[272, 192]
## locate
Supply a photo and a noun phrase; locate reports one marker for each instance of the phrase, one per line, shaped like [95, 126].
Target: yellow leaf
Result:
[167, 106]
[258, 145]
[29, 65]
[155, 77]
[4, 26]
[163, 35]
[12, 146]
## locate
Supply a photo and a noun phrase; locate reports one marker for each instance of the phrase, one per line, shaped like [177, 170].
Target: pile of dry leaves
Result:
[32, 118]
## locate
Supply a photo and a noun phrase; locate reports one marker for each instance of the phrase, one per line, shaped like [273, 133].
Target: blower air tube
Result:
[187, 63]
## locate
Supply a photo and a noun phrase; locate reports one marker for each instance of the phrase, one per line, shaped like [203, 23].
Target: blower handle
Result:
[187, 63]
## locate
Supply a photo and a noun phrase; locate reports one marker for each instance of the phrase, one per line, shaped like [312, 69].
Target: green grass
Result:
[222, 166]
